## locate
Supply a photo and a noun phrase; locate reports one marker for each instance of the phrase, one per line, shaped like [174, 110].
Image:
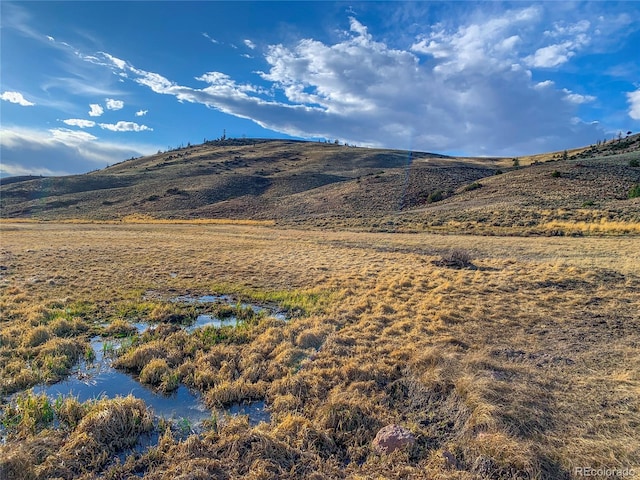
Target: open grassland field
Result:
[505, 357]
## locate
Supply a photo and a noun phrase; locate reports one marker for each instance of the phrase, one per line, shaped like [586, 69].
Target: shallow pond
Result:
[97, 378]
[227, 300]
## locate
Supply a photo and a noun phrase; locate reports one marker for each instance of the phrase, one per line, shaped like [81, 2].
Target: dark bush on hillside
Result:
[175, 191]
[556, 174]
[472, 186]
[634, 192]
[435, 196]
[634, 162]
[456, 258]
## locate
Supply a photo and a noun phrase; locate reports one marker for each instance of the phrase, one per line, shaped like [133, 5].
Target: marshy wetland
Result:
[521, 361]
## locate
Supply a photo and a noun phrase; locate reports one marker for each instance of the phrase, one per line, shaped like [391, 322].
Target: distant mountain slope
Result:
[265, 179]
[321, 184]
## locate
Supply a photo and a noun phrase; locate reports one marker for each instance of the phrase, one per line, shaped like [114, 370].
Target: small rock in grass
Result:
[391, 438]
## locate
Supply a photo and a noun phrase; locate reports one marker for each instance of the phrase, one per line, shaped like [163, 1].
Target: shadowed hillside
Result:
[244, 179]
[319, 184]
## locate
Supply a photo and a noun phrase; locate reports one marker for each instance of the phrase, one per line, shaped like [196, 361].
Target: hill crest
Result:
[311, 183]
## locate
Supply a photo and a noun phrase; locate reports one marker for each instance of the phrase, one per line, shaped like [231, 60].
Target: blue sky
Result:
[88, 84]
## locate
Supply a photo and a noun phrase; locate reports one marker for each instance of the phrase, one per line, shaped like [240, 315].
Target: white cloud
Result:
[483, 46]
[634, 104]
[60, 151]
[96, 110]
[467, 89]
[79, 122]
[575, 37]
[545, 84]
[141, 113]
[124, 127]
[250, 44]
[212, 40]
[551, 56]
[118, 62]
[16, 97]
[114, 104]
[576, 97]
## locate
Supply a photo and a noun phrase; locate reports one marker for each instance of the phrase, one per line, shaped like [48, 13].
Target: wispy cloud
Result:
[125, 127]
[212, 40]
[114, 104]
[250, 44]
[96, 110]
[79, 122]
[16, 97]
[141, 113]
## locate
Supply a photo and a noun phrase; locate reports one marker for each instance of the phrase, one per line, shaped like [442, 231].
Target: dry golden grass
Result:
[524, 364]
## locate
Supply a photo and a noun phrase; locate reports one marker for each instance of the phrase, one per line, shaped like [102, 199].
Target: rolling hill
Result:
[309, 183]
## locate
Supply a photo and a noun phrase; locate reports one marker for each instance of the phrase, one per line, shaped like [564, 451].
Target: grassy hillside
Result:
[327, 185]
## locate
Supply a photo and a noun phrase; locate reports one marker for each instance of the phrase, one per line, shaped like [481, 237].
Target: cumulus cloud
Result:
[551, 56]
[79, 122]
[141, 113]
[634, 104]
[250, 44]
[67, 152]
[574, 38]
[96, 110]
[576, 97]
[114, 104]
[463, 89]
[124, 127]
[16, 97]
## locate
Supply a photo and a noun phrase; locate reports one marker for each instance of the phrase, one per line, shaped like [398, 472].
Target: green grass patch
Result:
[303, 301]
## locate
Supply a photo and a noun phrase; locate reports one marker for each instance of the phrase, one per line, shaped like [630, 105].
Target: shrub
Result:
[176, 191]
[634, 162]
[435, 196]
[472, 186]
[456, 258]
[556, 174]
[634, 192]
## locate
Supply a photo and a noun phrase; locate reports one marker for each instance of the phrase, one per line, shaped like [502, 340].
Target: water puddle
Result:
[205, 320]
[97, 379]
[227, 300]
[184, 410]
